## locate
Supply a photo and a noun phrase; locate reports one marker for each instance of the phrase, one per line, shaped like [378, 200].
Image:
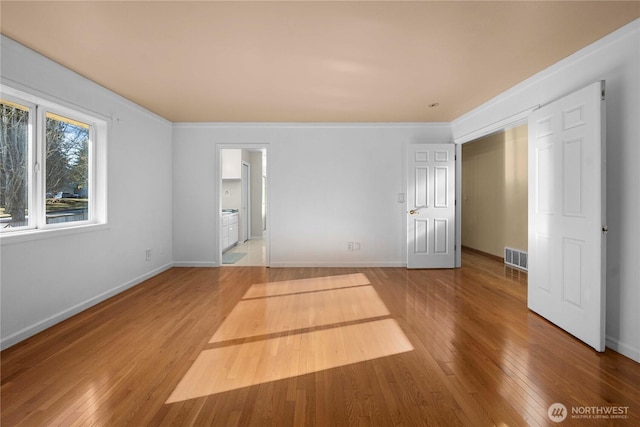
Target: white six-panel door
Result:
[431, 206]
[567, 214]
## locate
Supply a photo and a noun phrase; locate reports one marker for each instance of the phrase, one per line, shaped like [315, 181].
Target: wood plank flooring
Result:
[298, 311]
[459, 347]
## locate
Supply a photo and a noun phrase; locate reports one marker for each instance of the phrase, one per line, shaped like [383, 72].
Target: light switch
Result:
[400, 197]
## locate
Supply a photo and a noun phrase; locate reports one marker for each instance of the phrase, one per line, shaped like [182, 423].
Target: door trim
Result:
[246, 222]
[458, 219]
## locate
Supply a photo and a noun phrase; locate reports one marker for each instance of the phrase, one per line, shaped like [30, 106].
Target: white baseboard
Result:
[40, 326]
[195, 264]
[337, 264]
[624, 349]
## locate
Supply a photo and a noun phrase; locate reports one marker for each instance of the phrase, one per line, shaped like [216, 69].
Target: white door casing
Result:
[245, 207]
[431, 206]
[567, 216]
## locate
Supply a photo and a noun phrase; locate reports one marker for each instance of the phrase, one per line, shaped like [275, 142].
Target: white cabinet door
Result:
[233, 230]
[224, 231]
[431, 206]
[229, 230]
[231, 163]
[567, 214]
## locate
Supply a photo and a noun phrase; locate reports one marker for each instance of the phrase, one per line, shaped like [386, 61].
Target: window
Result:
[51, 165]
[67, 169]
[15, 179]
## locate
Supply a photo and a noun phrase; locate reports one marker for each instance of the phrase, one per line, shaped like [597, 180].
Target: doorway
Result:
[243, 183]
[494, 193]
[566, 218]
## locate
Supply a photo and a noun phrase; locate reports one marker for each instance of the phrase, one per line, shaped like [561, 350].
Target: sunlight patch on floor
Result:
[228, 368]
[297, 305]
[306, 285]
[283, 313]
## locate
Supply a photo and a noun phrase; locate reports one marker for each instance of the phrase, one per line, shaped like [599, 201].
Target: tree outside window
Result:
[67, 168]
[14, 158]
[63, 154]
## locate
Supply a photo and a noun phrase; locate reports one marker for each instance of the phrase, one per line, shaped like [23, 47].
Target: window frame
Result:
[37, 226]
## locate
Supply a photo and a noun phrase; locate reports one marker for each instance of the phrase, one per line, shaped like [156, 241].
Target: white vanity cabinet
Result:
[229, 230]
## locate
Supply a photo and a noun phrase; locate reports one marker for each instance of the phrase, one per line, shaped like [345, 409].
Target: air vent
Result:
[516, 258]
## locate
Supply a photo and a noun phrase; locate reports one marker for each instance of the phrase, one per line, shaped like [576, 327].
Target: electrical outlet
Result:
[350, 246]
[147, 255]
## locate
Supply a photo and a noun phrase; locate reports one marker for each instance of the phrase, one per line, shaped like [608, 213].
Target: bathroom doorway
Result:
[243, 184]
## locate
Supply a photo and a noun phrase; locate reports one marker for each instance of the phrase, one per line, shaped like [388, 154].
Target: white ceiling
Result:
[303, 61]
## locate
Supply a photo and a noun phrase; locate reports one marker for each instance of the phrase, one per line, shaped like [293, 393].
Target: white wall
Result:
[616, 59]
[232, 194]
[329, 184]
[46, 280]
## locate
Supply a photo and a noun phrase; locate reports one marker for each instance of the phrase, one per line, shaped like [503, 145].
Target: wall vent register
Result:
[516, 258]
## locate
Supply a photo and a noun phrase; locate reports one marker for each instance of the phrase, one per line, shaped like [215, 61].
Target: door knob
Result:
[415, 211]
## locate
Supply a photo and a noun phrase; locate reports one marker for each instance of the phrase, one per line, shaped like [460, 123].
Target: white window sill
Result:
[9, 238]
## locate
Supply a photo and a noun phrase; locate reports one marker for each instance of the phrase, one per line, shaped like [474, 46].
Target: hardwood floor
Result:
[369, 346]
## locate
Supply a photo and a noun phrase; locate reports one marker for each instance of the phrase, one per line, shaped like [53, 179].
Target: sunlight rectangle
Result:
[263, 316]
[306, 285]
[232, 367]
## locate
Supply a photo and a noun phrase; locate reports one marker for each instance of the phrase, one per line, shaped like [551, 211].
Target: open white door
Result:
[431, 206]
[567, 222]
